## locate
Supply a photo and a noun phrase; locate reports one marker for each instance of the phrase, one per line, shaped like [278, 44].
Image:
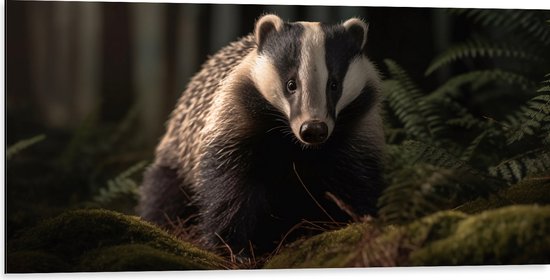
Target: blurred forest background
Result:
[68, 60]
[89, 86]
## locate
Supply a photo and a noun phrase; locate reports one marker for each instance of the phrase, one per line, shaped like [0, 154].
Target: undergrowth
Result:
[482, 129]
[97, 165]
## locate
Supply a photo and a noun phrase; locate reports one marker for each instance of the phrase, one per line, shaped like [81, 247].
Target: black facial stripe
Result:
[340, 49]
[284, 49]
[360, 105]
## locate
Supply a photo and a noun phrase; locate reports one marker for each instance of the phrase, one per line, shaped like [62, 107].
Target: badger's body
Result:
[270, 124]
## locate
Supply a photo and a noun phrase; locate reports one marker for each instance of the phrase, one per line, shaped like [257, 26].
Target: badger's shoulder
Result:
[181, 141]
[217, 67]
[203, 85]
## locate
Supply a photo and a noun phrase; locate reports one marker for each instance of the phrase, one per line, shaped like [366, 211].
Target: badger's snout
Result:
[314, 132]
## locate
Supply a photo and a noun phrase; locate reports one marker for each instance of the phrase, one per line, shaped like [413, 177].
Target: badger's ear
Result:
[265, 25]
[358, 29]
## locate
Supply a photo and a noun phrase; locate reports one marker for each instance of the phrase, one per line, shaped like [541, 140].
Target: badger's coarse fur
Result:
[287, 110]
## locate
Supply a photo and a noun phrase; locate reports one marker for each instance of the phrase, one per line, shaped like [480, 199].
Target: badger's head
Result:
[311, 71]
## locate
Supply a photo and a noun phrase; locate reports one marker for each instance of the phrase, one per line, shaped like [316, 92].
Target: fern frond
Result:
[411, 153]
[424, 179]
[479, 78]
[476, 48]
[510, 21]
[121, 185]
[515, 169]
[394, 135]
[420, 152]
[22, 145]
[546, 138]
[400, 101]
[421, 120]
[116, 188]
[418, 194]
[530, 118]
[469, 151]
[427, 189]
[133, 169]
[467, 121]
[398, 73]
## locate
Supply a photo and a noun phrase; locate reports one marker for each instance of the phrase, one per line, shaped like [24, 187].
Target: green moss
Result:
[366, 244]
[511, 235]
[75, 233]
[136, 257]
[99, 240]
[432, 228]
[531, 190]
[329, 249]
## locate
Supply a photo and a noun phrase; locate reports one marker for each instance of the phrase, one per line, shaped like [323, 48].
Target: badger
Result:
[269, 127]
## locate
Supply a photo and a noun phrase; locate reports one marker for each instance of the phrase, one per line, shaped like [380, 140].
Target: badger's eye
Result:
[333, 85]
[291, 86]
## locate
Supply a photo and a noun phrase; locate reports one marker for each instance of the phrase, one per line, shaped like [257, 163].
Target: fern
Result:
[479, 78]
[394, 135]
[22, 145]
[422, 120]
[531, 118]
[515, 169]
[423, 179]
[431, 169]
[399, 100]
[502, 19]
[416, 195]
[509, 21]
[476, 48]
[467, 121]
[426, 189]
[121, 185]
[425, 153]
[469, 151]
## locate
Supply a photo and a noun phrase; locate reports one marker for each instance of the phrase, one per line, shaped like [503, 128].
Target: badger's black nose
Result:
[314, 132]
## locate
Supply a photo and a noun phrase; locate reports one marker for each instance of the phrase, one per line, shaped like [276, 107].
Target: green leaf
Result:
[22, 145]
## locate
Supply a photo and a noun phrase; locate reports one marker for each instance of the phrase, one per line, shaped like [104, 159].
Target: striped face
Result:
[311, 72]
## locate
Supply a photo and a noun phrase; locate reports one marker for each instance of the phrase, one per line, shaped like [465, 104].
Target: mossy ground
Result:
[532, 190]
[329, 249]
[510, 235]
[512, 227]
[101, 240]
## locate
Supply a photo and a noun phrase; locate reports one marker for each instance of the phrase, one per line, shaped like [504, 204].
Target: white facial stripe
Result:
[268, 82]
[313, 76]
[313, 72]
[359, 72]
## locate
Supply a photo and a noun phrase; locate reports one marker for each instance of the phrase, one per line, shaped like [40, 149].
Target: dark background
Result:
[67, 60]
